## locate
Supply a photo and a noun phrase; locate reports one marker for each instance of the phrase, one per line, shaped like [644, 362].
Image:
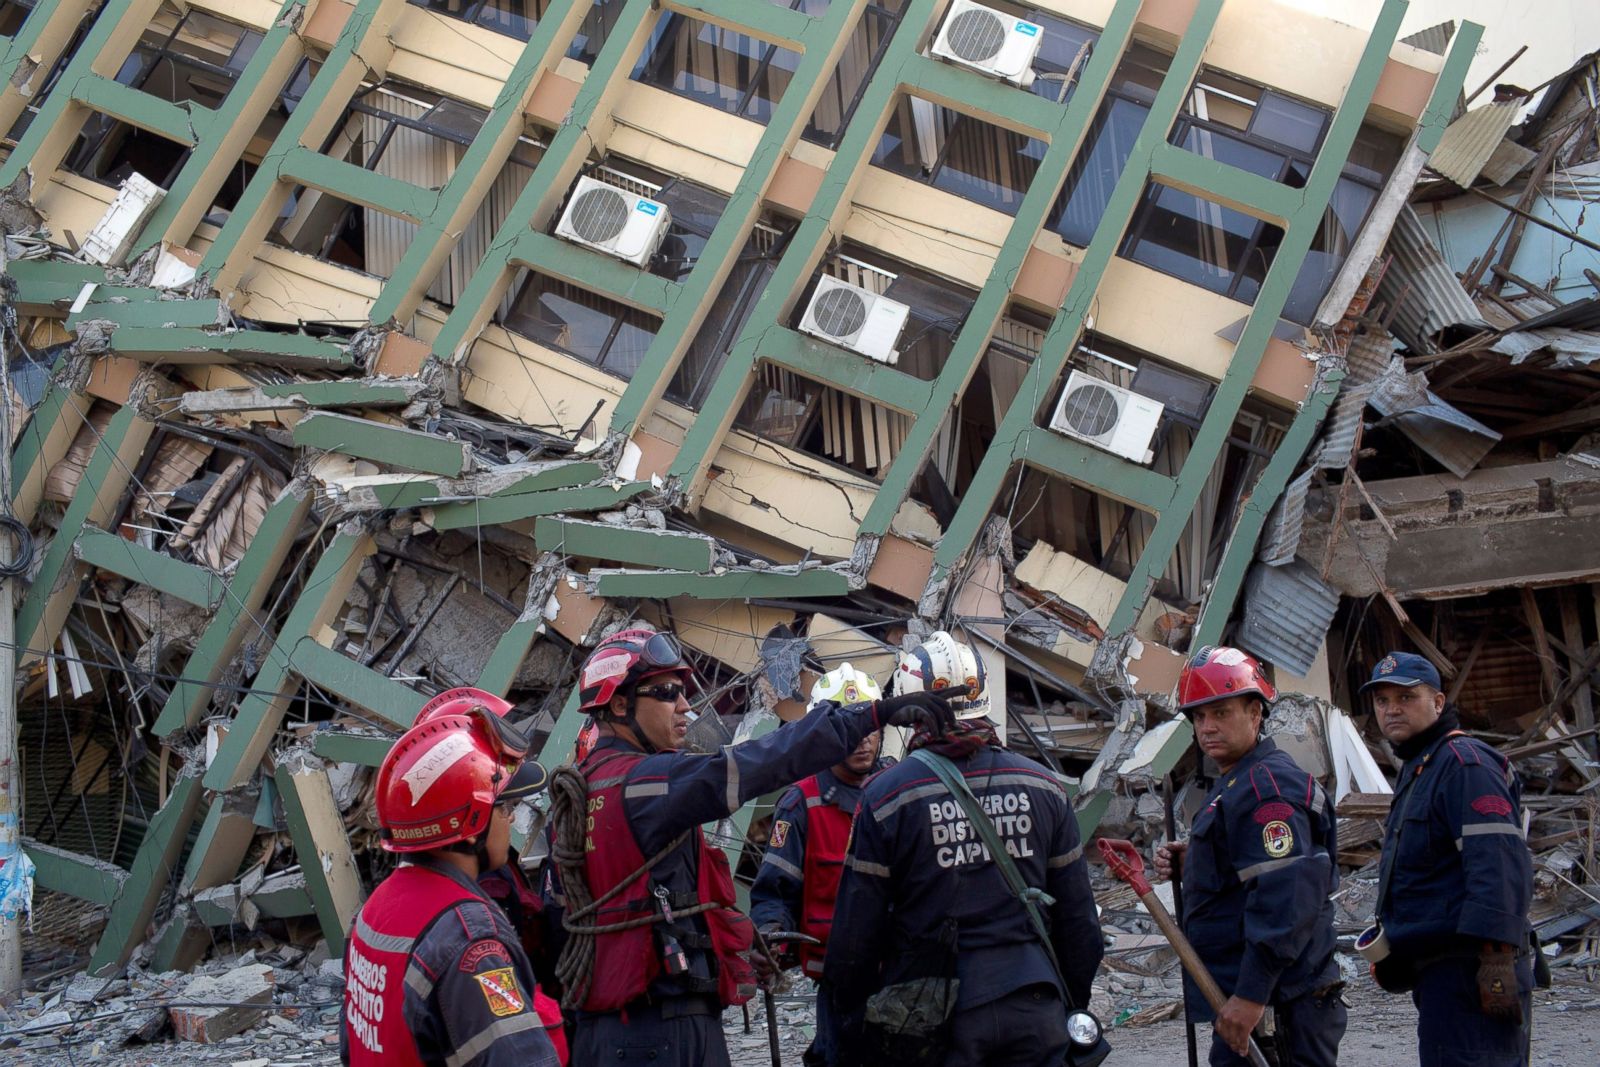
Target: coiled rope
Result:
[569, 802]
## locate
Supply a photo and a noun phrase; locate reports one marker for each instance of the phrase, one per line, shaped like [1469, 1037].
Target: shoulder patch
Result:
[1489, 804]
[780, 834]
[1277, 838]
[1274, 811]
[501, 992]
[481, 951]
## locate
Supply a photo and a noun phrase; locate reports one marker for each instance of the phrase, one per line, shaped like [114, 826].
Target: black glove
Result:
[782, 951]
[1497, 983]
[925, 710]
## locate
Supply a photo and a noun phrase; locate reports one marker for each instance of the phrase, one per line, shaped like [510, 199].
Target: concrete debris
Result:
[236, 1001]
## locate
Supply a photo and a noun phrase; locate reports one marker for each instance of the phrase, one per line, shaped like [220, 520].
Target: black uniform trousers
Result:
[1453, 1031]
[1309, 1029]
[1025, 1028]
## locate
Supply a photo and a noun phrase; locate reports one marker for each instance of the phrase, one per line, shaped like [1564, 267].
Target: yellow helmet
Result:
[845, 685]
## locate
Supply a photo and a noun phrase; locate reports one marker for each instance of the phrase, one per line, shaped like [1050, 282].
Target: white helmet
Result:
[939, 663]
[845, 685]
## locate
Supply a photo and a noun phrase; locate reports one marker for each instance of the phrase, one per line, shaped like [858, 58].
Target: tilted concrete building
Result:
[389, 346]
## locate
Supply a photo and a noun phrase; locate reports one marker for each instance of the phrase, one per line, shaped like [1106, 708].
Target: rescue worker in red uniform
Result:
[636, 883]
[513, 888]
[433, 970]
[798, 882]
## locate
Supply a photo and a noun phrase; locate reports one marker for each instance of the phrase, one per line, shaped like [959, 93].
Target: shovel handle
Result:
[1125, 862]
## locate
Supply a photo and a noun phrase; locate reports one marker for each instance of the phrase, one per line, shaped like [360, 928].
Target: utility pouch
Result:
[908, 1023]
[1541, 965]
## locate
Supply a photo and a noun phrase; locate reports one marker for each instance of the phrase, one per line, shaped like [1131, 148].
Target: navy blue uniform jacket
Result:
[1256, 881]
[780, 883]
[914, 860]
[1458, 866]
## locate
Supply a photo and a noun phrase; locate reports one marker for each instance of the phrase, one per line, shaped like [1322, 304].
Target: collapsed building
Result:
[359, 349]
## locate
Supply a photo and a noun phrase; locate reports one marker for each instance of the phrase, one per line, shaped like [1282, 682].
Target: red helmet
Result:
[456, 701]
[624, 659]
[439, 783]
[1217, 672]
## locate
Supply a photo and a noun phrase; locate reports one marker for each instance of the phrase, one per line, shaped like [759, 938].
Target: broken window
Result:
[518, 18]
[419, 137]
[719, 67]
[584, 325]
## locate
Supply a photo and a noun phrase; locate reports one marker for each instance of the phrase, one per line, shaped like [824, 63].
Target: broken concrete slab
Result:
[246, 992]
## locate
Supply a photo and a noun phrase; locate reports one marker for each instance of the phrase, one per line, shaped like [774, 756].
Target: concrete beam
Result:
[302, 396]
[191, 346]
[1100, 470]
[44, 442]
[128, 306]
[182, 125]
[48, 286]
[817, 581]
[149, 874]
[855, 374]
[78, 876]
[347, 746]
[189, 582]
[499, 510]
[225, 836]
[357, 185]
[596, 272]
[624, 544]
[321, 843]
[395, 446]
[344, 677]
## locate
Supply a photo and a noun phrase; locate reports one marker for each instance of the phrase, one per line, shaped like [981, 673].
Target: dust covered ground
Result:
[1381, 1034]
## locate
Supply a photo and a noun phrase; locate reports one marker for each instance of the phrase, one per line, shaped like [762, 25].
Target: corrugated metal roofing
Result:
[1572, 348]
[1435, 39]
[1281, 540]
[1420, 285]
[1448, 434]
[1287, 612]
[1507, 161]
[1469, 141]
[1339, 436]
[1368, 357]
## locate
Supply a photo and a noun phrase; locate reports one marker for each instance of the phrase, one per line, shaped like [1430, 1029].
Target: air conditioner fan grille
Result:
[976, 36]
[598, 215]
[1091, 410]
[839, 312]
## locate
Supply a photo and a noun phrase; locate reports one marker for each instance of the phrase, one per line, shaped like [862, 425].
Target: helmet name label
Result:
[598, 670]
[428, 769]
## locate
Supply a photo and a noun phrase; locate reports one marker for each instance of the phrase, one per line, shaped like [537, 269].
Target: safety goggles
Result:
[659, 651]
[667, 693]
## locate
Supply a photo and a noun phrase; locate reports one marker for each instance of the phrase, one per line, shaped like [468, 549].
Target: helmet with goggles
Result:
[845, 685]
[939, 663]
[623, 660]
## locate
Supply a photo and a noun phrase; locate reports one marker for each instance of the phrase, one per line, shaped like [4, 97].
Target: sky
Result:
[1557, 32]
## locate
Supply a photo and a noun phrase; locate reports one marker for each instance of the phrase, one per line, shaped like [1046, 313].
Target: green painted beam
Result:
[183, 125]
[357, 185]
[1447, 87]
[498, 510]
[992, 100]
[136, 308]
[235, 618]
[301, 396]
[343, 676]
[596, 271]
[49, 286]
[559, 745]
[45, 439]
[780, 25]
[1090, 811]
[278, 897]
[1086, 465]
[855, 374]
[261, 711]
[488, 152]
[181, 942]
[190, 346]
[189, 582]
[734, 585]
[320, 841]
[501, 668]
[42, 613]
[624, 544]
[1045, 371]
[421, 491]
[149, 875]
[346, 746]
[396, 446]
[225, 836]
[83, 877]
[1304, 227]
[1225, 184]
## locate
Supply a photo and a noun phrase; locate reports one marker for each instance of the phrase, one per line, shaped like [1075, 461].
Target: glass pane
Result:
[1288, 122]
[1061, 44]
[856, 63]
[769, 83]
[1095, 172]
[1187, 237]
[594, 29]
[629, 345]
[1227, 149]
[987, 164]
[716, 66]
[560, 317]
[1347, 209]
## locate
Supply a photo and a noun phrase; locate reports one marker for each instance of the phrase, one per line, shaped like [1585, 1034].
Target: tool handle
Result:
[1125, 862]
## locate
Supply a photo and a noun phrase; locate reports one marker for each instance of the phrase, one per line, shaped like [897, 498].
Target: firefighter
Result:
[1257, 872]
[1455, 880]
[655, 948]
[932, 959]
[799, 877]
[434, 973]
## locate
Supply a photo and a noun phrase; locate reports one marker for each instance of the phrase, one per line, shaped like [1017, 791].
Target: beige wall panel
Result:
[282, 285]
[1295, 51]
[728, 632]
[71, 204]
[936, 230]
[456, 58]
[518, 379]
[786, 495]
[1166, 317]
[680, 136]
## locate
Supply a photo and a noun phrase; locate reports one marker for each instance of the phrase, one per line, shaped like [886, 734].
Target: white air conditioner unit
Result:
[992, 42]
[859, 320]
[614, 221]
[1108, 416]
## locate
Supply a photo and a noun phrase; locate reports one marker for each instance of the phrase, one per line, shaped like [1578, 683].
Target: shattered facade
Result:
[326, 396]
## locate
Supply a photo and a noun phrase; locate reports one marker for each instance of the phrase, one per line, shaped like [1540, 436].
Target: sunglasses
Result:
[668, 694]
